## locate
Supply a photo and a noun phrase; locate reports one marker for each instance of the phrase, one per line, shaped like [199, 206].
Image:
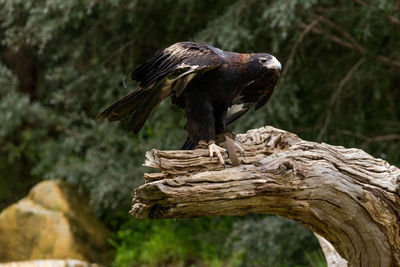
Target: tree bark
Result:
[343, 194]
[333, 259]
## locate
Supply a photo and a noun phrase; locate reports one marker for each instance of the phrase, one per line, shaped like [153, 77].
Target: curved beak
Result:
[273, 63]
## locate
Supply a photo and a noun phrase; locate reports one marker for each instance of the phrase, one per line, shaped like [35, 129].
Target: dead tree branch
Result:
[343, 194]
[350, 45]
[335, 97]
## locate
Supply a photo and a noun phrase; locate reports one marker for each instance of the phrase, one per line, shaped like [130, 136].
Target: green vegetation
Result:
[239, 241]
[61, 62]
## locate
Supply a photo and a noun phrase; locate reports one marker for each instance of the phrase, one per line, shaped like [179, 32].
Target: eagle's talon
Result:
[232, 147]
[202, 145]
[240, 148]
[213, 148]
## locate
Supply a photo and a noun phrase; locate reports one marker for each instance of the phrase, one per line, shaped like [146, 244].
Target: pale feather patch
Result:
[177, 51]
[184, 66]
[178, 83]
[237, 99]
[249, 83]
[235, 108]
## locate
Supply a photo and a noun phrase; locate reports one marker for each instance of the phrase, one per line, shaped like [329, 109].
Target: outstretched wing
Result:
[170, 70]
[253, 95]
[176, 65]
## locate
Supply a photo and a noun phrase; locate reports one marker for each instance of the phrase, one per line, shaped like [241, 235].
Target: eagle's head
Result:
[262, 62]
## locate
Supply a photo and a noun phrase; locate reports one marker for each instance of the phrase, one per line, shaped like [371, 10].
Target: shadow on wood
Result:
[343, 194]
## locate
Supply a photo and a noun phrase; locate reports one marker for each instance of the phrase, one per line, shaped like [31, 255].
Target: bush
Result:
[216, 241]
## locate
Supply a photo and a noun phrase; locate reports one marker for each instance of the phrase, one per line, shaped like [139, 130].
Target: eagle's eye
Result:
[263, 60]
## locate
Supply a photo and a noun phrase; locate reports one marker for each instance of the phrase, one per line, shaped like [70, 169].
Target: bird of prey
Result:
[214, 87]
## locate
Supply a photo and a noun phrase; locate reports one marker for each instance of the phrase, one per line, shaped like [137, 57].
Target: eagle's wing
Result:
[254, 95]
[170, 70]
[177, 64]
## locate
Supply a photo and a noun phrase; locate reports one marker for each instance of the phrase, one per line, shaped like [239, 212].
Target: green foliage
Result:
[316, 259]
[183, 242]
[340, 85]
[271, 241]
[223, 241]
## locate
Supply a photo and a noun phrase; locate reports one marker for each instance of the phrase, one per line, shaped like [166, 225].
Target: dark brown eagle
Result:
[214, 87]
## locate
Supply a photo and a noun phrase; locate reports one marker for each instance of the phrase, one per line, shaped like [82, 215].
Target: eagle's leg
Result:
[224, 138]
[201, 123]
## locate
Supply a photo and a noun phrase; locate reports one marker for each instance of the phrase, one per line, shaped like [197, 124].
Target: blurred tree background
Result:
[61, 62]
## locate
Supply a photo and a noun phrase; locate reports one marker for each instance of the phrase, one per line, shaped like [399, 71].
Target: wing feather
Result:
[175, 57]
[254, 95]
[170, 70]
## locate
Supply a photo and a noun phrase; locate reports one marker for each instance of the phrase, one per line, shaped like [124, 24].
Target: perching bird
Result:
[214, 87]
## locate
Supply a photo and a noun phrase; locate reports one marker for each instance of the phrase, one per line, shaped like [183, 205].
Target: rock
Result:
[49, 263]
[52, 222]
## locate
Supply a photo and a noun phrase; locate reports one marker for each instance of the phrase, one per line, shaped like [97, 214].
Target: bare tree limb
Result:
[356, 48]
[333, 259]
[345, 195]
[335, 96]
[334, 38]
[392, 19]
[293, 51]
[373, 139]
[360, 49]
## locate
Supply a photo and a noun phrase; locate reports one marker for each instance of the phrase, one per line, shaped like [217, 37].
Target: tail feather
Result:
[122, 107]
[132, 110]
[188, 145]
[138, 117]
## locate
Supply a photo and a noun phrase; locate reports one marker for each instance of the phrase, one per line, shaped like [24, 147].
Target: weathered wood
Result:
[345, 195]
[333, 259]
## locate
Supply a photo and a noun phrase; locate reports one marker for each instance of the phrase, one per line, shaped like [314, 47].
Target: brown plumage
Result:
[214, 87]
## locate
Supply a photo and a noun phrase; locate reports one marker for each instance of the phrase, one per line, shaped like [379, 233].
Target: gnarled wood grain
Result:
[345, 195]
